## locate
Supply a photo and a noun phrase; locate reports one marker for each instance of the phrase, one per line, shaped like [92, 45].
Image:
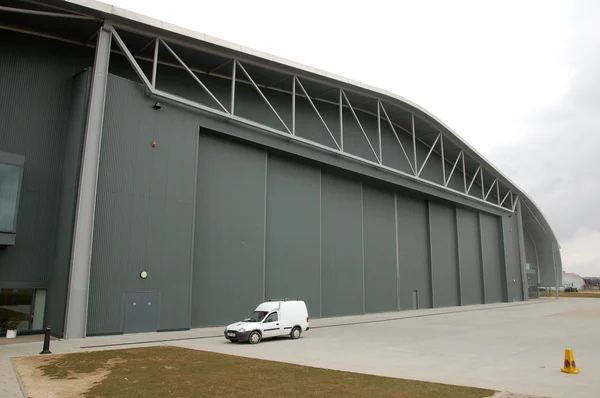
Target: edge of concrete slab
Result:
[507, 394]
[18, 377]
[216, 332]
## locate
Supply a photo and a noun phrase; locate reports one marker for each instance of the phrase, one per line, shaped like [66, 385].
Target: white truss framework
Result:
[298, 89]
[343, 102]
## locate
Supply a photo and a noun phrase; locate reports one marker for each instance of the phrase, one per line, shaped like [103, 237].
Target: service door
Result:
[141, 311]
[271, 326]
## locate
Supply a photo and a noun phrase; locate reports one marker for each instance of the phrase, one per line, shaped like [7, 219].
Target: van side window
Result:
[271, 318]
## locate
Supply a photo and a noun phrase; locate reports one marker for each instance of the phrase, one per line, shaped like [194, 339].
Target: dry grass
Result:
[172, 371]
[584, 293]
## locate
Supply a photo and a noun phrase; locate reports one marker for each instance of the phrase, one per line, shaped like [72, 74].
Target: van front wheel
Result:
[254, 338]
[296, 333]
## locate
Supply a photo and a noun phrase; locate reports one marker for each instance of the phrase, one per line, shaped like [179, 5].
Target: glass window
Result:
[9, 189]
[17, 303]
[271, 318]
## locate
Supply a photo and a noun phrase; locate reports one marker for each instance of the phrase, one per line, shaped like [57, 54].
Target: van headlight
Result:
[242, 330]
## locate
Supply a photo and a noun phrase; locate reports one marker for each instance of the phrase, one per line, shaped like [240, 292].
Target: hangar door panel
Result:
[512, 255]
[444, 261]
[381, 292]
[492, 258]
[140, 312]
[293, 244]
[342, 265]
[470, 257]
[413, 249]
[229, 238]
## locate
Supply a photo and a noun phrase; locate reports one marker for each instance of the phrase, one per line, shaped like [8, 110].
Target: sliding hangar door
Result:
[218, 225]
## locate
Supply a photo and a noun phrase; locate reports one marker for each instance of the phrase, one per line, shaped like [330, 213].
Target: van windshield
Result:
[256, 316]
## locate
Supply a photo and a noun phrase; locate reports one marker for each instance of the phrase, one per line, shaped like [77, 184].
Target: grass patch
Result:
[173, 371]
[588, 294]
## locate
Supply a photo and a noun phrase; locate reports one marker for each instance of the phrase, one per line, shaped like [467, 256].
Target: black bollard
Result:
[46, 349]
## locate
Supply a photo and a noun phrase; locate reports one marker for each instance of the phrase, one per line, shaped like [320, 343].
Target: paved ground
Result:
[509, 347]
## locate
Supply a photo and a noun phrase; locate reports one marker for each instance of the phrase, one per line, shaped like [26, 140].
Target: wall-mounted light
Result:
[143, 274]
[157, 105]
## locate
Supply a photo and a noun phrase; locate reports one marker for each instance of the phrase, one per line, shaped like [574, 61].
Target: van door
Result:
[271, 326]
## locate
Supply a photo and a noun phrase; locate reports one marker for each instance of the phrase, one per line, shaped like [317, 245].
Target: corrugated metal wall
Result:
[249, 104]
[329, 239]
[36, 80]
[531, 258]
[220, 226]
[381, 265]
[493, 267]
[471, 271]
[144, 210]
[444, 256]
[57, 289]
[413, 252]
[512, 258]
[229, 240]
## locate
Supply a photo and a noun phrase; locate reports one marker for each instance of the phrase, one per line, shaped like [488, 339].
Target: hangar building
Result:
[153, 179]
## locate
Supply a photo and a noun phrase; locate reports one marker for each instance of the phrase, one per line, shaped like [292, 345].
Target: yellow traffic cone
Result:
[569, 363]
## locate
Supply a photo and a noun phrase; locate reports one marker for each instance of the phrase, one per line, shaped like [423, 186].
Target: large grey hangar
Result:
[155, 179]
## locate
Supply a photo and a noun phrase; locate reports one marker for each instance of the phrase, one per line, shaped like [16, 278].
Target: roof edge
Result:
[112, 10]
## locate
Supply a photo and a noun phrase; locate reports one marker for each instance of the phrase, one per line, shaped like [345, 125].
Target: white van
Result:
[274, 318]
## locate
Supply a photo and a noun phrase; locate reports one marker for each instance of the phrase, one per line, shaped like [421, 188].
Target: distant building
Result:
[574, 280]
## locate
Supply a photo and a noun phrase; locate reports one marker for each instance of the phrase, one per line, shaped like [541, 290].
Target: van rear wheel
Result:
[296, 333]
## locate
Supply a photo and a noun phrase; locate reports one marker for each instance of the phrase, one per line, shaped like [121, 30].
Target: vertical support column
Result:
[521, 232]
[341, 122]
[430, 254]
[155, 63]
[502, 228]
[482, 183]
[443, 157]
[79, 276]
[265, 228]
[233, 79]
[362, 233]
[555, 269]
[193, 237]
[379, 132]
[464, 171]
[481, 248]
[320, 243]
[294, 105]
[460, 298]
[414, 137]
[397, 251]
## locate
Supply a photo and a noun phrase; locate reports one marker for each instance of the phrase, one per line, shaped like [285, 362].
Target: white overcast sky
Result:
[519, 80]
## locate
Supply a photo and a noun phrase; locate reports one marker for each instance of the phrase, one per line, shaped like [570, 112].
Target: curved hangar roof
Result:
[135, 35]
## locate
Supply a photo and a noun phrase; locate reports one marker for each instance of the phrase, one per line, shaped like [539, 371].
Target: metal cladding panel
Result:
[444, 256]
[250, 104]
[531, 258]
[512, 258]
[432, 170]
[228, 278]
[381, 287]
[36, 78]
[492, 258]
[144, 209]
[470, 257]
[293, 245]
[392, 150]
[355, 141]
[342, 253]
[59, 278]
[413, 250]
[547, 260]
